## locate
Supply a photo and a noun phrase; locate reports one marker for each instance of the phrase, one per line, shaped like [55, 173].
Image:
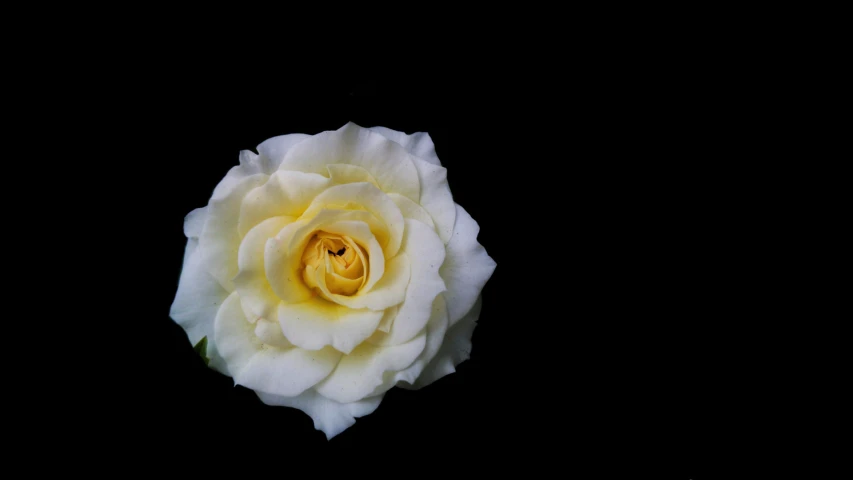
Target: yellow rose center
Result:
[337, 260]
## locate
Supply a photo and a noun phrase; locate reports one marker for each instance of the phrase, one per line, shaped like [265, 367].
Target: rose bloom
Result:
[327, 269]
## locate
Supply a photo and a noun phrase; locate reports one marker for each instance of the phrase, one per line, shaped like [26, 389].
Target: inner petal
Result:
[283, 254]
[338, 259]
[351, 264]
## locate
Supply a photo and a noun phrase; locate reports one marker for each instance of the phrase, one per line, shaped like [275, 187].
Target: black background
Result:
[594, 346]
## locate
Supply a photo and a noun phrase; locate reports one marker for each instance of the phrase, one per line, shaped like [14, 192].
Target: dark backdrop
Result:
[595, 343]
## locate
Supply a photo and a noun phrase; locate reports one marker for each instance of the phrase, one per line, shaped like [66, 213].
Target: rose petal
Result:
[388, 318]
[219, 240]
[269, 332]
[194, 222]
[274, 149]
[341, 173]
[356, 258]
[251, 281]
[336, 283]
[261, 367]
[284, 194]
[418, 144]
[287, 371]
[436, 198]
[389, 291]
[363, 196]
[362, 370]
[467, 267]
[426, 253]
[412, 210]
[317, 323]
[329, 416]
[455, 349]
[249, 165]
[387, 161]
[198, 299]
[360, 232]
[436, 329]
[283, 253]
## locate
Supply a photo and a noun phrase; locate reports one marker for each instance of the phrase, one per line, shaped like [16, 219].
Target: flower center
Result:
[334, 265]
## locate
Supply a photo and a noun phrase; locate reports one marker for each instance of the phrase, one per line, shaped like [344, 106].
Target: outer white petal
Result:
[455, 349]
[329, 416]
[361, 371]
[251, 281]
[194, 222]
[467, 267]
[198, 299]
[284, 194]
[426, 253]
[250, 164]
[317, 323]
[387, 161]
[287, 371]
[412, 210]
[436, 329]
[436, 198]
[220, 239]
[262, 367]
[273, 150]
[418, 144]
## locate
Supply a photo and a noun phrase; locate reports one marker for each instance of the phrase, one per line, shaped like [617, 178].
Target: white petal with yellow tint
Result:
[467, 267]
[197, 300]
[269, 332]
[436, 329]
[389, 291]
[455, 349]
[261, 367]
[387, 161]
[388, 319]
[330, 417]
[273, 150]
[219, 240]
[282, 264]
[317, 323]
[412, 210]
[361, 371]
[341, 173]
[418, 144]
[284, 194]
[426, 253]
[251, 280]
[363, 196]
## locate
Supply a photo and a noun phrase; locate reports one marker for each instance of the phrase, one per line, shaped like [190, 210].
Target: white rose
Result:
[327, 269]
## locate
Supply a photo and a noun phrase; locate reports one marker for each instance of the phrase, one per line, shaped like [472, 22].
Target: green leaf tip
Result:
[201, 349]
